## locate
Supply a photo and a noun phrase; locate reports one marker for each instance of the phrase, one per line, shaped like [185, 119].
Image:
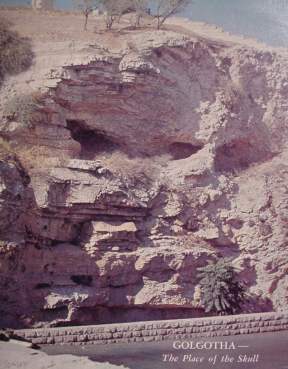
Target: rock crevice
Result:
[151, 163]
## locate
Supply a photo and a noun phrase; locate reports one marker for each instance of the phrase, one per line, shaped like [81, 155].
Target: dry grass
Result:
[41, 158]
[30, 157]
[23, 108]
[134, 170]
[16, 53]
[232, 93]
[6, 151]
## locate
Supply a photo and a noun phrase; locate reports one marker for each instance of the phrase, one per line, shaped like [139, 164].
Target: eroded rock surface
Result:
[151, 162]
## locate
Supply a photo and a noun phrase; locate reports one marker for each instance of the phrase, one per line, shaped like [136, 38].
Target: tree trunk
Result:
[158, 23]
[137, 22]
[162, 21]
[86, 21]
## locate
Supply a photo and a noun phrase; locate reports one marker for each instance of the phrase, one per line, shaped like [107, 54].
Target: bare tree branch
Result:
[86, 7]
[167, 8]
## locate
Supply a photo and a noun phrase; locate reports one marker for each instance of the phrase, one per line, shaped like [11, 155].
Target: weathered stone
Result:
[197, 169]
[144, 333]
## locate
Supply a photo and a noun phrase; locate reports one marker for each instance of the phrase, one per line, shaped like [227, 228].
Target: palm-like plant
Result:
[221, 292]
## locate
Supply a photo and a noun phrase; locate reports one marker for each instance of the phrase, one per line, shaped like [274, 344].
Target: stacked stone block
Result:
[158, 330]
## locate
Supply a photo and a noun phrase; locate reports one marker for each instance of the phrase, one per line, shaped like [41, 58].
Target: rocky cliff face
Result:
[143, 166]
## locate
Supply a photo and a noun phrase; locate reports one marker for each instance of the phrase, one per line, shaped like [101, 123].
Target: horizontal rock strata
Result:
[143, 166]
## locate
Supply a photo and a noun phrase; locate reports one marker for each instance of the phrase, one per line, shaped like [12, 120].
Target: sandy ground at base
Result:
[17, 355]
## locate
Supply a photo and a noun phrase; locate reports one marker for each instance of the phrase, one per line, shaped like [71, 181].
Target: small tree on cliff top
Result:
[221, 292]
[140, 8]
[167, 8]
[86, 7]
[114, 9]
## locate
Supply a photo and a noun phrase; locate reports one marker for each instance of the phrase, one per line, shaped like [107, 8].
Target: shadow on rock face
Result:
[182, 150]
[92, 142]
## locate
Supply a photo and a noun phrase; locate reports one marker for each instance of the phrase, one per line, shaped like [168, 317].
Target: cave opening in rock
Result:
[239, 155]
[58, 313]
[84, 280]
[122, 314]
[182, 150]
[92, 141]
[40, 286]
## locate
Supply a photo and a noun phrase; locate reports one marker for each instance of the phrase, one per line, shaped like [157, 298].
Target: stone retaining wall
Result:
[158, 330]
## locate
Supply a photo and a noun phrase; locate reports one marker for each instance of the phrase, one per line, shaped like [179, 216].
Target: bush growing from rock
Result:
[15, 51]
[23, 108]
[134, 170]
[221, 292]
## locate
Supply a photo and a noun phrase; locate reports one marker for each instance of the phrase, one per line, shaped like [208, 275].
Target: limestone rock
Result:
[104, 236]
[156, 160]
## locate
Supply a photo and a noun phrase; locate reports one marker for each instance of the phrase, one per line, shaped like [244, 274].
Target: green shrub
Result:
[221, 292]
[15, 51]
[23, 108]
